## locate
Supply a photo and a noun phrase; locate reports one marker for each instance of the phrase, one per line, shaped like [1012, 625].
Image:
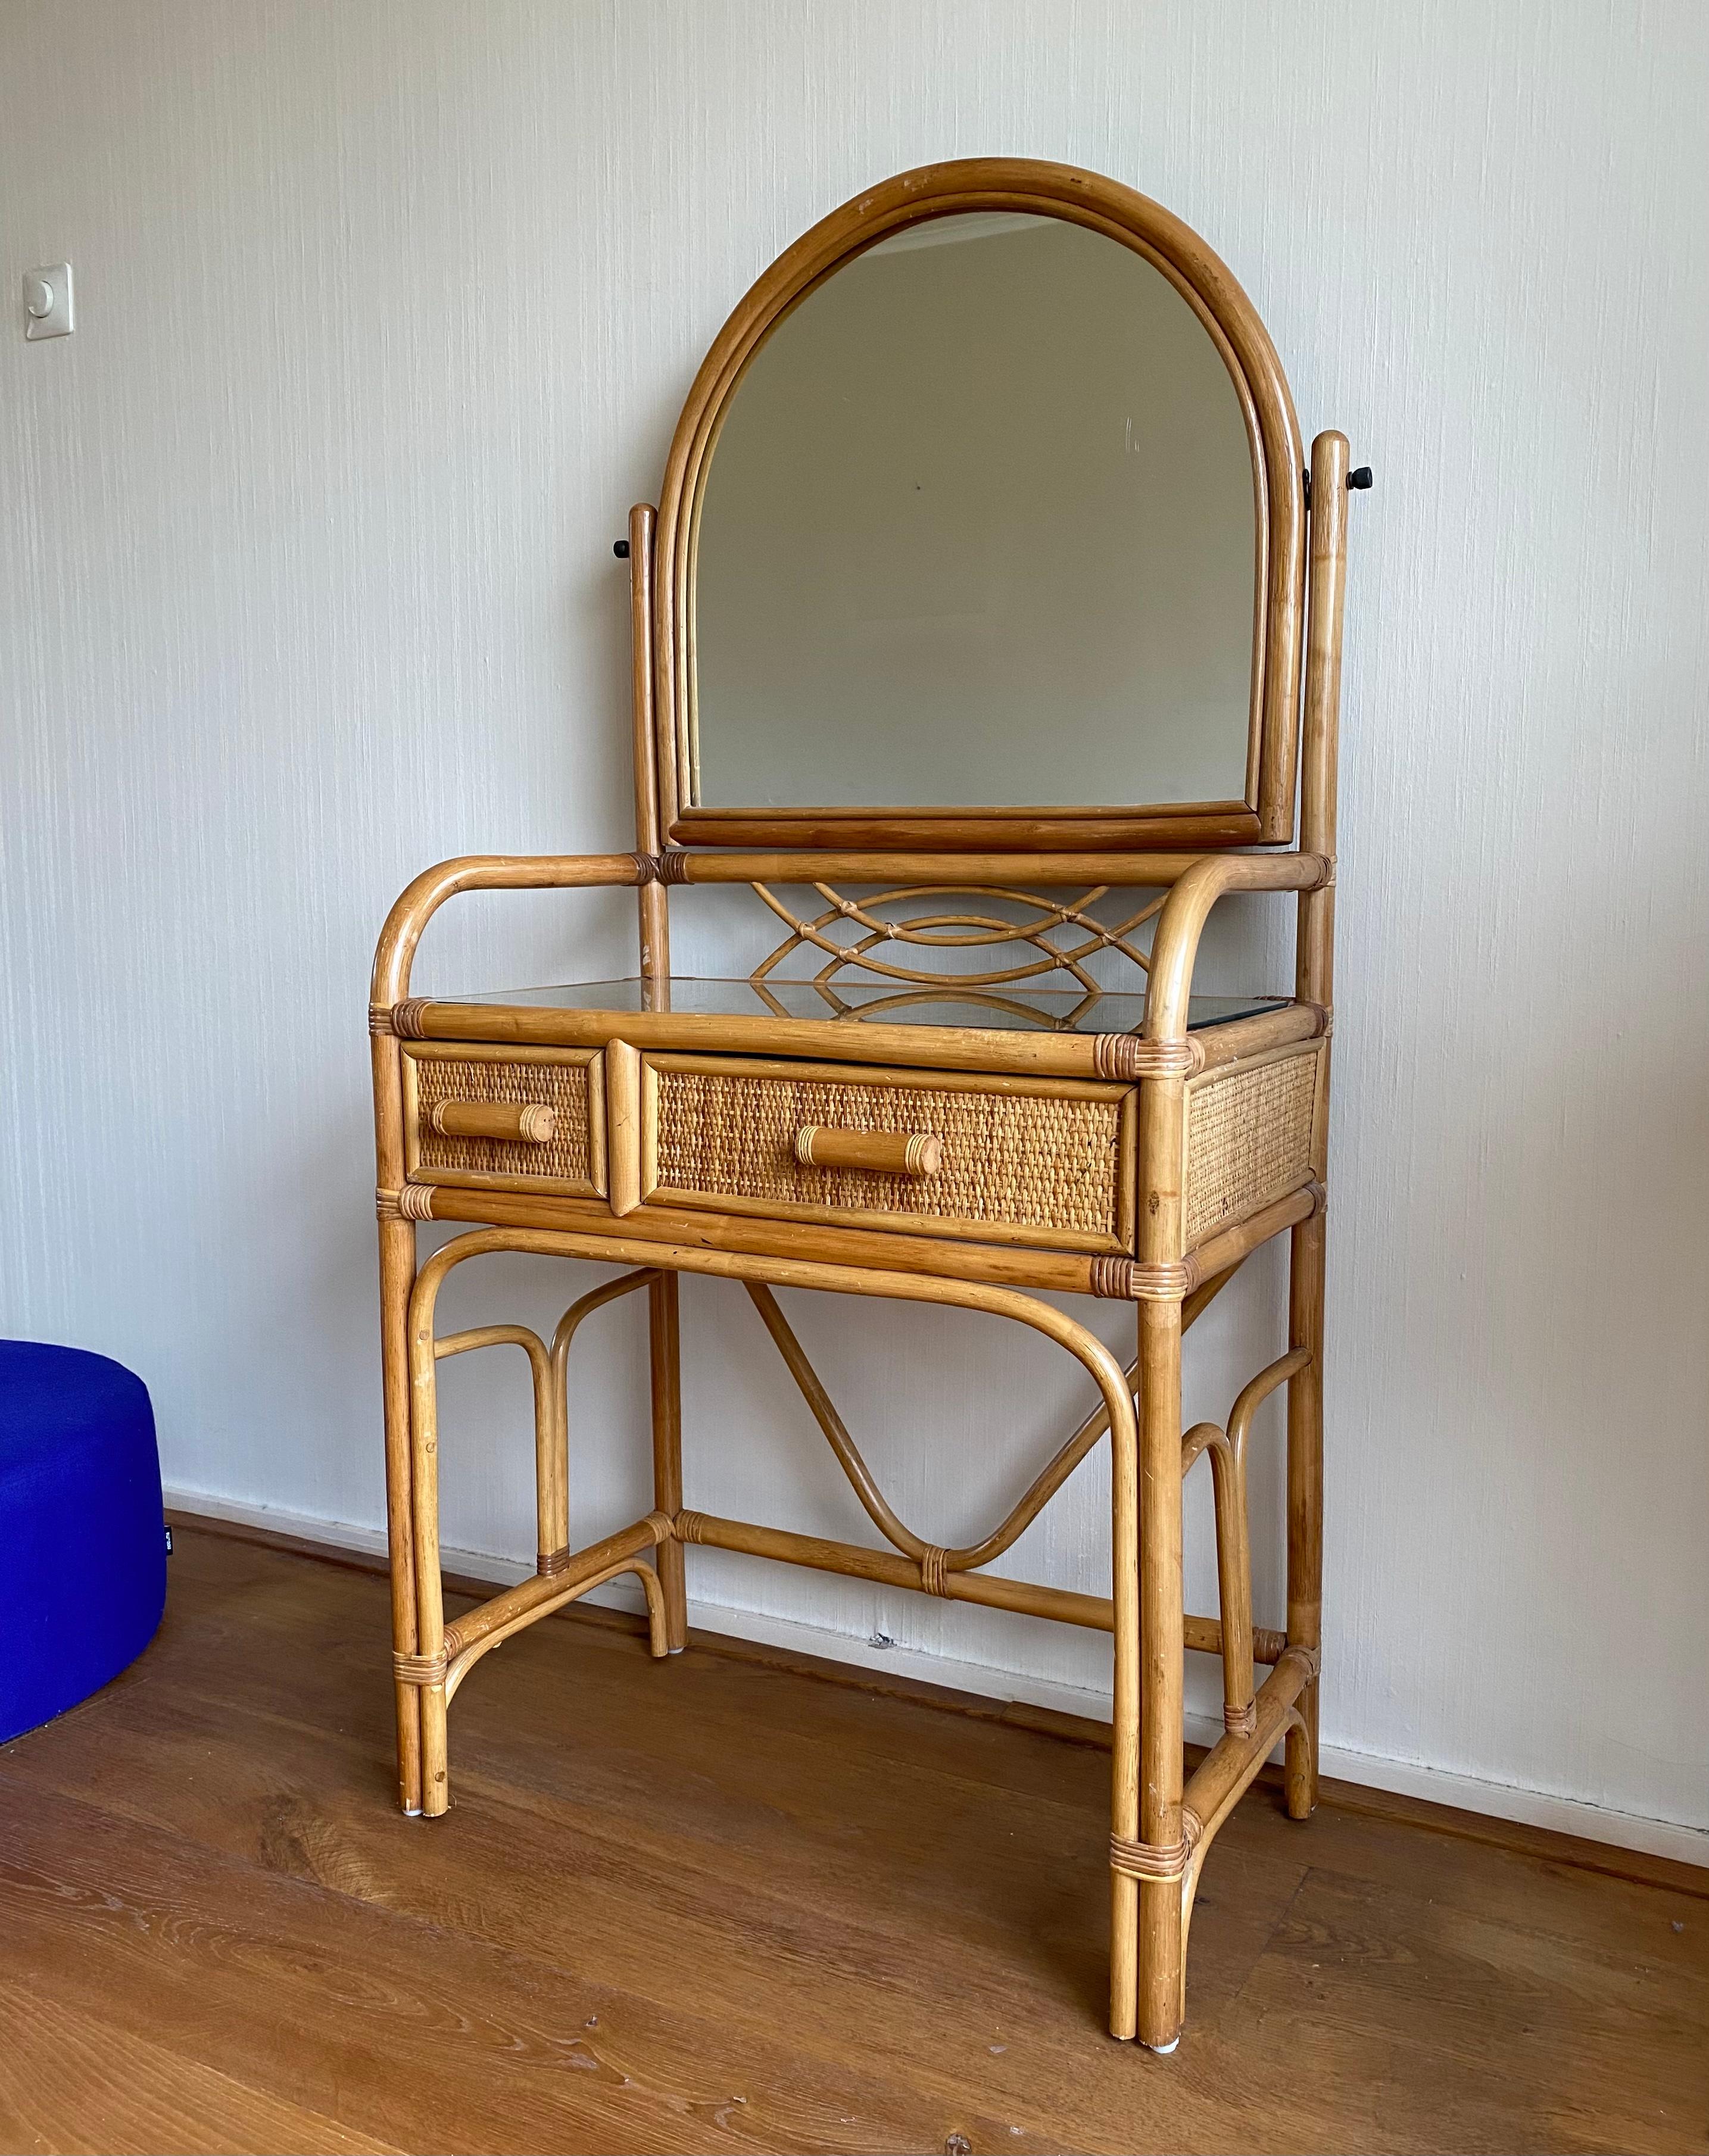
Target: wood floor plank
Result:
[367, 2014]
[848, 1958]
[723, 1904]
[1530, 2044]
[74, 2085]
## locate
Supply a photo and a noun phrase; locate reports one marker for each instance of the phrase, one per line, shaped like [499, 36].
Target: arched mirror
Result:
[978, 527]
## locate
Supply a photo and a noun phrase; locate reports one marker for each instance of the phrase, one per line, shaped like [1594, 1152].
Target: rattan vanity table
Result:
[1059, 1112]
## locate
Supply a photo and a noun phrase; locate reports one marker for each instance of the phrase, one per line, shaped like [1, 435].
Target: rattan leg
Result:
[428, 1673]
[1125, 1731]
[1306, 1500]
[665, 1340]
[1163, 1852]
[397, 1276]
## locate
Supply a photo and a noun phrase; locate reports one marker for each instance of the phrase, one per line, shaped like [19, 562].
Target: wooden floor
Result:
[725, 1903]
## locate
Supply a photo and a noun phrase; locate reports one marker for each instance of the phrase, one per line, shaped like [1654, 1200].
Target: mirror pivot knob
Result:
[1360, 480]
[620, 547]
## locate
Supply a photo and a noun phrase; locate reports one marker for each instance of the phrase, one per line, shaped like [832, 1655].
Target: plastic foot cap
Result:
[1163, 2051]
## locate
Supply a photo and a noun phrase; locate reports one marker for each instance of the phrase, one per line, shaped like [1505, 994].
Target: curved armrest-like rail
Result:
[1175, 944]
[423, 898]
[1196, 884]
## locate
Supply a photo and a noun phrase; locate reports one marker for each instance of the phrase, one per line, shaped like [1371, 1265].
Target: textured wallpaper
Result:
[385, 314]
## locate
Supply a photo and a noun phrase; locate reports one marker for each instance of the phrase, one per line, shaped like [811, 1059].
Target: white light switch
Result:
[47, 301]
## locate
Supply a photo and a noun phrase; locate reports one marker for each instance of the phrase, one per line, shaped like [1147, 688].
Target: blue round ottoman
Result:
[80, 1525]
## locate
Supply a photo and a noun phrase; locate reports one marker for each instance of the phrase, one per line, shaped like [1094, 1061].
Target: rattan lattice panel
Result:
[571, 1160]
[1249, 1140]
[1029, 1166]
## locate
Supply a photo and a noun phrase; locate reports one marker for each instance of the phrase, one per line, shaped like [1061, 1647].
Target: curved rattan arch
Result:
[1102, 205]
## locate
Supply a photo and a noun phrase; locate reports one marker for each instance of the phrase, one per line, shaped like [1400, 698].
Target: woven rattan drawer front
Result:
[1046, 1161]
[568, 1080]
[1249, 1138]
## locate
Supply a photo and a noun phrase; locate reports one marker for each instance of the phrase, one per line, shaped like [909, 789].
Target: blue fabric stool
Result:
[82, 1539]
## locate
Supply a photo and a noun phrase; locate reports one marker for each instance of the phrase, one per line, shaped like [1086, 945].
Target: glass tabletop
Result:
[1023, 1009]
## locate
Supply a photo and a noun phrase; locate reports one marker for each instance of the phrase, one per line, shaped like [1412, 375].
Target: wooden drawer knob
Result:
[881, 1152]
[528, 1121]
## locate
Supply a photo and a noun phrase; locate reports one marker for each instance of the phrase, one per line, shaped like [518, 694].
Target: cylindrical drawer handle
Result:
[527, 1120]
[881, 1152]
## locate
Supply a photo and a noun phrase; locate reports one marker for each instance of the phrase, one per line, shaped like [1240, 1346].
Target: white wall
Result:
[385, 312]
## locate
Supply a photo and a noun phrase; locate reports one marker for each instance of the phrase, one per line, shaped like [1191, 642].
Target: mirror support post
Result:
[655, 925]
[1314, 982]
[664, 1321]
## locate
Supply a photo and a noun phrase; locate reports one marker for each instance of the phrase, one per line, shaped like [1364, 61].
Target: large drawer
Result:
[1046, 1161]
[532, 1119]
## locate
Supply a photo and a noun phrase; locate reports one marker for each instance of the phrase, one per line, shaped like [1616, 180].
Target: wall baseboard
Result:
[1403, 1777]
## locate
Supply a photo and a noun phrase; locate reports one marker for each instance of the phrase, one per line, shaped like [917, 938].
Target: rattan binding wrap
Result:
[1140, 1860]
[563, 1087]
[1027, 1161]
[1124, 1056]
[1249, 1139]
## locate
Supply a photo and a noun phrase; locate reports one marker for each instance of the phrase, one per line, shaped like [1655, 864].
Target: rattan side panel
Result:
[572, 1160]
[1249, 1140]
[1037, 1167]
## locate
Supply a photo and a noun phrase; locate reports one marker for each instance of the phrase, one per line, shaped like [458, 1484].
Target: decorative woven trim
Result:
[406, 1018]
[551, 1563]
[1240, 1721]
[663, 1526]
[386, 1206]
[673, 865]
[1328, 860]
[1124, 1281]
[415, 1202]
[380, 1020]
[1124, 1056]
[1249, 1139]
[686, 1526]
[1141, 1860]
[419, 1669]
[1312, 1658]
[934, 1569]
[1319, 1197]
[647, 868]
[1327, 1027]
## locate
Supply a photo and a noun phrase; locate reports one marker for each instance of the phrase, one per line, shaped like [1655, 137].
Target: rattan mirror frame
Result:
[1266, 815]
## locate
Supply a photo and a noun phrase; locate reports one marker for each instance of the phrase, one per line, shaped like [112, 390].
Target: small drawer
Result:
[1251, 1137]
[1039, 1161]
[505, 1118]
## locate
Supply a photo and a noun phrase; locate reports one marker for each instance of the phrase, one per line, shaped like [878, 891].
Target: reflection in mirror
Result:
[978, 530]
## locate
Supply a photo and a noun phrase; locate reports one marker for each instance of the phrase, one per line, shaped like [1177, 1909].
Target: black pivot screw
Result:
[1360, 481]
[620, 547]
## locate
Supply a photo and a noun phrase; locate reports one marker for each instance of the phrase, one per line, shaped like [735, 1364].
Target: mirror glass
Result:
[977, 530]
